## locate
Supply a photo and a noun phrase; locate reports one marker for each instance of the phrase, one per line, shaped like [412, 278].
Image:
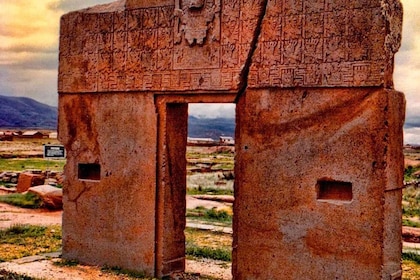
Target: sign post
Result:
[54, 152]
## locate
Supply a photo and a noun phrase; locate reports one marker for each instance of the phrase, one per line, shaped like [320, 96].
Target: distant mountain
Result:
[24, 112]
[210, 128]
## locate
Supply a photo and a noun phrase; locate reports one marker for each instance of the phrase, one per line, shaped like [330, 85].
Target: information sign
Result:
[54, 151]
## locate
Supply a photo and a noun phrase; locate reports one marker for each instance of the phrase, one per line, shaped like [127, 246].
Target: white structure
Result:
[226, 140]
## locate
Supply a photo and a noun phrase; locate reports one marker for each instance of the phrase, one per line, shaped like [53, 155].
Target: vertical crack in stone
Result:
[392, 10]
[76, 199]
[254, 44]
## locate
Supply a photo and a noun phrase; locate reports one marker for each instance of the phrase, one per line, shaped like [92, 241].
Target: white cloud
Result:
[33, 83]
[412, 135]
[216, 110]
[407, 69]
[28, 23]
[70, 5]
[29, 32]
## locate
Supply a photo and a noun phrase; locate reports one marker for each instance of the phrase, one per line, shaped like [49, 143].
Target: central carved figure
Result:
[194, 20]
[198, 4]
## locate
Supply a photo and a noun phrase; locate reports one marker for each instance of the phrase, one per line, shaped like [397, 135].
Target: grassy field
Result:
[25, 240]
[21, 164]
[411, 193]
[199, 244]
[24, 154]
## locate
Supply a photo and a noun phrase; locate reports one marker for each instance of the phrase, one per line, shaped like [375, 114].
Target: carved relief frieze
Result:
[230, 55]
[314, 7]
[313, 50]
[292, 7]
[300, 43]
[322, 43]
[172, 42]
[119, 42]
[134, 19]
[105, 41]
[231, 33]
[164, 59]
[196, 34]
[271, 54]
[273, 29]
[196, 21]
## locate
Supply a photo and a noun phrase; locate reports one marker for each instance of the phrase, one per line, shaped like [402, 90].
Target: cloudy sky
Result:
[29, 41]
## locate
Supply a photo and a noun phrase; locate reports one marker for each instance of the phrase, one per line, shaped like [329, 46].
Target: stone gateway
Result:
[319, 163]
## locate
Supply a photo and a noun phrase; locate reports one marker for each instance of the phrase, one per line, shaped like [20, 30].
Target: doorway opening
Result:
[210, 188]
[209, 167]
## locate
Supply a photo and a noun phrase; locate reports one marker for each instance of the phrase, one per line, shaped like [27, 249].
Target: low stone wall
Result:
[53, 178]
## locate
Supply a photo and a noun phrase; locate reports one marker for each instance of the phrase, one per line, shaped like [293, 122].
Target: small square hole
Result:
[89, 171]
[334, 190]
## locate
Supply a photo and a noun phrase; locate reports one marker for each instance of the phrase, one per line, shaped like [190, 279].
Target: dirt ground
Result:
[11, 215]
[44, 268]
[412, 162]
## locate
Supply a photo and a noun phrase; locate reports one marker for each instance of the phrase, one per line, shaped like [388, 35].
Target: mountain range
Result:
[27, 113]
[210, 128]
[24, 112]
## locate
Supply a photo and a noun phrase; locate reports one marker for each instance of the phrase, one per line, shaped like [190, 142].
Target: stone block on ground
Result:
[27, 180]
[52, 197]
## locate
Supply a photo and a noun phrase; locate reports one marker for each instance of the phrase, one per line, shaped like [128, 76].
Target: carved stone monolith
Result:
[319, 163]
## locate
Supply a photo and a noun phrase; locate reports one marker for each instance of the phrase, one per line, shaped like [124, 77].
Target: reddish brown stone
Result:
[291, 141]
[319, 163]
[52, 197]
[27, 180]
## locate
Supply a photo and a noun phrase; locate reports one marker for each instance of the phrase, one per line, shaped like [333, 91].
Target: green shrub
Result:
[209, 190]
[6, 275]
[23, 231]
[218, 215]
[27, 200]
[69, 263]
[212, 215]
[411, 201]
[28, 240]
[209, 253]
[409, 171]
[410, 223]
[123, 272]
[411, 256]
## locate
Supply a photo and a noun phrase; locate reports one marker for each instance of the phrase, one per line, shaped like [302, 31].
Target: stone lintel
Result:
[144, 46]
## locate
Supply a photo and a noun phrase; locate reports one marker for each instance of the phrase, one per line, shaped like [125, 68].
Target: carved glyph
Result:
[194, 19]
[328, 43]
[300, 43]
[197, 34]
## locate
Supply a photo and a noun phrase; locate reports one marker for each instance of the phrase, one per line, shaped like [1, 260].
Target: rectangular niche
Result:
[89, 171]
[334, 190]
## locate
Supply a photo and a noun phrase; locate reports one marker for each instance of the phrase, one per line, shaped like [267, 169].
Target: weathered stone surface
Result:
[51, 197]
[171, 187]
[27, 180]
[8, 190]
[290, 141]
[51, 182]
[159, 46]
[326, 44]
[9, 177]
[179, 46]
[319, 163]
[109, 220]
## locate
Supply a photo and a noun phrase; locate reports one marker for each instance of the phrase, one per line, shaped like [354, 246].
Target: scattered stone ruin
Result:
[319, 163]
